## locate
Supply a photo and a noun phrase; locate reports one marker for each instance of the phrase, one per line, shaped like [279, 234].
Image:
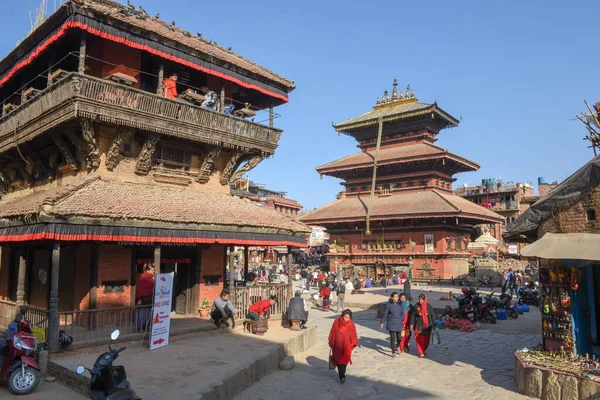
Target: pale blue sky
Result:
[515, 71]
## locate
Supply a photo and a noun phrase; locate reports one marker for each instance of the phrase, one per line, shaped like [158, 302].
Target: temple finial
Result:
[394, 91]
[408, 92]
[378, 101]
[386, 97]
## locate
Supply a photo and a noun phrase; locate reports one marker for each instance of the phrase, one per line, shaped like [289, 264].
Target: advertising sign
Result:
[161, 312]
[513, 249]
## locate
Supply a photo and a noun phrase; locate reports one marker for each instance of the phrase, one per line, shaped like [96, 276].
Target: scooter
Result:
[486, 282]
[17, 358]
[486, 311]
[504, 302]
[109, 382]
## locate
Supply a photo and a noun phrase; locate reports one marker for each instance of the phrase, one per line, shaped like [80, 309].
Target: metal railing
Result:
[85, 325]
[8, 310]
[245, 296]
[147, 106]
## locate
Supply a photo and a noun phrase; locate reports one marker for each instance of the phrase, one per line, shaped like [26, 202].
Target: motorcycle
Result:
[486, 312]
[465, 305]
[529, 296]
[17, 358]
[464, 281]
[109, 382]
[486, 282]
[504, 302]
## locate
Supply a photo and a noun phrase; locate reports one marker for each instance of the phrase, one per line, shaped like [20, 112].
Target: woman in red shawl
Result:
[342, 340]
[423, 323]
[325, 294]
[406, 323]
[143, 296]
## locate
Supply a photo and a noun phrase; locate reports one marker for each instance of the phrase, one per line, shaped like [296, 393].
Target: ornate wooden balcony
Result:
[78, 95]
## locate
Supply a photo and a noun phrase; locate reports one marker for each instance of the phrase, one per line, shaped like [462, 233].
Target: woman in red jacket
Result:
[342, 340]
[325, 294]
[258, 313]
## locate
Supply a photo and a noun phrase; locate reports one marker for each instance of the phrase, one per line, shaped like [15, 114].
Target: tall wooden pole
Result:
[157, 258]
[246, 261]
[94, 276]
[289, 268]
[53, 322]
[231, 269]
[161, 77]
[82, 52]
[374, 180]
[271, 117]
[222, 98]
[22, 277]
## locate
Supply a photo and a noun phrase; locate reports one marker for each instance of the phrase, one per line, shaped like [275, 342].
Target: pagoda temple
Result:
[120, 136]
[409, 219]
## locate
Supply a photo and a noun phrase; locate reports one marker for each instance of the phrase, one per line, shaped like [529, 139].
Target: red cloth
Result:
[405, 339]
[171, 87]
[260, 307]
[422, 342]
[342, 340]
[425, 312]
[145, 286]
[320, 277]
[325, 292]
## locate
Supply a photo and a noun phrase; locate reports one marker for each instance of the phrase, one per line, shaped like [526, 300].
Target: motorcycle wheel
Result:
[19, 384]
[512, 314]
[520, 301]
[491, 319]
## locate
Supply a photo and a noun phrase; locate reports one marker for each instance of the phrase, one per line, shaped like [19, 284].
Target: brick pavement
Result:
[477, 365]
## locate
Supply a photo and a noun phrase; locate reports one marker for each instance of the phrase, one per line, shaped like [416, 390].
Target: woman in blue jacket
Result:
[393, 319]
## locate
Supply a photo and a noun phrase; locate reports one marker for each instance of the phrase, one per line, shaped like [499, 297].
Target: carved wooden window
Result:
[173, 157]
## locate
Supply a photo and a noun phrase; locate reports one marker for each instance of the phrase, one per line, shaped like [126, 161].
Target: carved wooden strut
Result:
[40, 162]
[144, 162]
[250, 165]
[113, 152]
[206, 169]
[229, 168]
[66, 152]
[89, 140]
[21, 167]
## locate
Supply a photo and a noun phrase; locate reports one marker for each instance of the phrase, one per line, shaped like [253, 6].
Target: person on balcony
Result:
[222, 310]
[211, 99]
[143, 296]
[169, 86]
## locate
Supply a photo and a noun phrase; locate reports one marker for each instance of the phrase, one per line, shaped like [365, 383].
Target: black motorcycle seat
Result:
[126, 394]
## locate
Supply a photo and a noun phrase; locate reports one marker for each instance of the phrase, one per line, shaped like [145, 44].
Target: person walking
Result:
[393, 318]
[341, 295]
[518, 282]
[510, 282]
[326, 295]
[304, 275]
[342, 340]
[422, 324]
[406, 332]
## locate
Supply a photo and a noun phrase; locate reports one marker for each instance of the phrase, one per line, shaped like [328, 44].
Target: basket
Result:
[260, 325]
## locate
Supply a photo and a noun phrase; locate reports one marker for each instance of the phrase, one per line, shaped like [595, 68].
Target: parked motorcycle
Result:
[486, 312]
[109, 382]
[465, 305]
[486, 282]
[17, 358]
[529, 296]
[464, 281]
[504, 302]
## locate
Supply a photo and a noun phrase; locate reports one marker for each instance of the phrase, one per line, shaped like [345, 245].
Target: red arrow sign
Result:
[159, 341]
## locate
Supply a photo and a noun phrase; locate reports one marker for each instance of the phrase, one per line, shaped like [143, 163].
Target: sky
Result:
[515, 72]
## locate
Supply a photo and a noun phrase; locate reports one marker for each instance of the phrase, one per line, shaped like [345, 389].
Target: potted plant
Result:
[204, 307]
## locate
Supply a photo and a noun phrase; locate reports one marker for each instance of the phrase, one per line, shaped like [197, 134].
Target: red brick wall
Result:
[574, 219]
[4, 277]
[544, 188]
[114, 264]
[212, 263]
[83, 265]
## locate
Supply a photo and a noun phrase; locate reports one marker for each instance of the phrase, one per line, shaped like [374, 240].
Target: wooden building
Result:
[415, 219]
[100, 173]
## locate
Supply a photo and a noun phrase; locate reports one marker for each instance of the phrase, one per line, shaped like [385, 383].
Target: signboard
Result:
[513, 249]
[161, 312]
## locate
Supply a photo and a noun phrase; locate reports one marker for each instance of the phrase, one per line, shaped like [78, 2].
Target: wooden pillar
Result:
[82, 51]
[94, 277]
[157, 259]
[196, 298]
[222, 98]
[50, 71]
[246, 261]
[271, 117]
[53, 322]
[231, 269]
[161, 77]
[289, 268]
[22, 277]
[132, 277]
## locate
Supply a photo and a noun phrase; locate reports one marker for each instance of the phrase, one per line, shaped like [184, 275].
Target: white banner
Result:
[161, 312]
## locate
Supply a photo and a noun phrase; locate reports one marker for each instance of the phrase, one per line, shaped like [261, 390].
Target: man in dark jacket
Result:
[393, 320]
[297, 310]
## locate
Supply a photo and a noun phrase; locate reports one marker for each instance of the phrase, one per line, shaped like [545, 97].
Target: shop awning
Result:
[570, 246]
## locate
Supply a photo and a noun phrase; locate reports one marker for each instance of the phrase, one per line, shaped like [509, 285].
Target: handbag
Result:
[435, 337]
[331, 362]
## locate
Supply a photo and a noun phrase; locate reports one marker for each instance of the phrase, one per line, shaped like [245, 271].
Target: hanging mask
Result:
[575, 277]
[546, 308]
[565, 302]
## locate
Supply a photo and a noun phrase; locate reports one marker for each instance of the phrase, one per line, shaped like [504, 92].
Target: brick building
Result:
[100, 173]
[415, 223]
[265, 197]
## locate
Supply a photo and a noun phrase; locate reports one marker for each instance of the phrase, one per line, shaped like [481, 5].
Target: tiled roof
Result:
[96, 198]
[111, 8]
[392, 112]
[399, 205]
[392, 154]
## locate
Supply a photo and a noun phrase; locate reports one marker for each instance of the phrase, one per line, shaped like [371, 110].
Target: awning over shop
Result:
[280, 249]
[570, 246]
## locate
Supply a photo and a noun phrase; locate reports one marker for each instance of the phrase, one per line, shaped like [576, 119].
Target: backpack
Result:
[341, 289]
